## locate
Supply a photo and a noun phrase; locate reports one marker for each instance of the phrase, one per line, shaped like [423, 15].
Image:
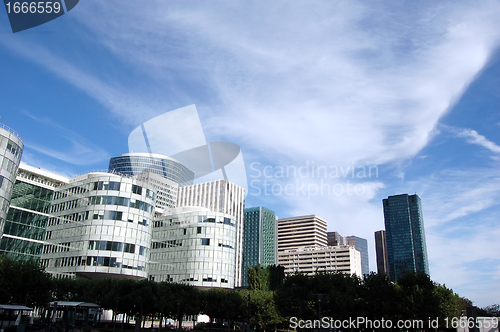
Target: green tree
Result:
[23, 282]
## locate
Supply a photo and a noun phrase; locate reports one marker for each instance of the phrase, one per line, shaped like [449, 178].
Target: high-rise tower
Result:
[405, 235]
[260, 239]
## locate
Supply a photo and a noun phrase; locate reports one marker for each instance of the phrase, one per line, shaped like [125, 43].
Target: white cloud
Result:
[473, 137]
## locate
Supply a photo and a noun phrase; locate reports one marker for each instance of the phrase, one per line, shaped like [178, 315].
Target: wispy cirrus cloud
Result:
[474, 137]
[81, 150]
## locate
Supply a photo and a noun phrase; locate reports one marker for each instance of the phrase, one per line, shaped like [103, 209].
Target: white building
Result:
[166, 190]
[11, 149]
[224, 197]
[196, 246]
[100, 225]
[309, 260]
[301, 231]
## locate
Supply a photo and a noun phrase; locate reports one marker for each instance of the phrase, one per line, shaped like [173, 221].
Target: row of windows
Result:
[64, 206]
[226, 221]
[13, 148]
[92, 261]
[52, 248]
[166, 244]
[70, 192]
[112, 246]
[120, 201]
[107, 185]
[97, 215]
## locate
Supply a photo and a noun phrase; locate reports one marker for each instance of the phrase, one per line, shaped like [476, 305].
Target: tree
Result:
[258, 278]
[23, 282]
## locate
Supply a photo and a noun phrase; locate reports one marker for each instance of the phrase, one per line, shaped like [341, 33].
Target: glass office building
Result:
[260, 239]
[361, 245]
[405, 235]
[137, 163]
[100, 226]
[24, 229]
[11, 149]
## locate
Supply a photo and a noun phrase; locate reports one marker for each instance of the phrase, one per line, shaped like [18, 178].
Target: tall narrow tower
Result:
[405, 235]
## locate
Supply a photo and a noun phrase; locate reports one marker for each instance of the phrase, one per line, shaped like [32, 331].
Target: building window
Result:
[205, 242]
[198, 230]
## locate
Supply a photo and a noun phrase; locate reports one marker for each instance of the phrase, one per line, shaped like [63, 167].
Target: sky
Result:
[335, 106]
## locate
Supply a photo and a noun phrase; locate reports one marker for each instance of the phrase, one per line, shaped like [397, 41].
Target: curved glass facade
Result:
[100, 224]
[11, 149]
[195, 247]
[137, 163]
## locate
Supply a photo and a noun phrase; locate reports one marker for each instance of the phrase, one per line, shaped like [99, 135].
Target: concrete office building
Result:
[11, 149]
[260, 239]
[137, 163]
[196, 246]
[300, 231]
[309, 260]
[405, 235]
[381, 249]
[100, 226]
[224, 197]
[26, 222]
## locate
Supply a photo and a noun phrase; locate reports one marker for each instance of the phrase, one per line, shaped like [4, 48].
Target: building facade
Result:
[196, 246]
[137, 163]
[381, 249]
[260, 239]
[11, 149]
[100, 226]
[309, 260]
[26, 222]
[335, 239]
[166, 190]
[220, 196]
[361, 245]
[300, 231]
[405, 235]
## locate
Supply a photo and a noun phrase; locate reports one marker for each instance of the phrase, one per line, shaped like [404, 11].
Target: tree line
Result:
[270, 301]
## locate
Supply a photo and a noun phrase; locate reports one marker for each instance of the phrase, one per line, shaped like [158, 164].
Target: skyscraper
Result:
[381, 249]
[361, 245]
[301, 231]
[260, 239]
[405, 235]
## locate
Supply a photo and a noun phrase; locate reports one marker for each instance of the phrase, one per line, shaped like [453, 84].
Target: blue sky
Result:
[410, 89]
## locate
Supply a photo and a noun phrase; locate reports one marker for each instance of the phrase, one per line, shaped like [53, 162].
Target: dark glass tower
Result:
[405, 235]
[260, 239]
